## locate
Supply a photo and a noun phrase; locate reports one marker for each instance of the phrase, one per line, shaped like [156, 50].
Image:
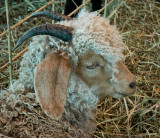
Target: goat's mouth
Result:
[123, 93]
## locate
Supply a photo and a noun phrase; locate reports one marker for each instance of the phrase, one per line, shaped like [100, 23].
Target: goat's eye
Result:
[92, 66]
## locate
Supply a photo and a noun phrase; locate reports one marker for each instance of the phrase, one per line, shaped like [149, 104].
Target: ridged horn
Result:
[62, 32]
[51, 15]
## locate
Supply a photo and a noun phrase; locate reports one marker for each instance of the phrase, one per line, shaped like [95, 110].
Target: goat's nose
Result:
[132, 85]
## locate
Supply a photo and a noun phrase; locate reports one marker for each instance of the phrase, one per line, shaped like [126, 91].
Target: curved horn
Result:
[51, 15]
[62, 32]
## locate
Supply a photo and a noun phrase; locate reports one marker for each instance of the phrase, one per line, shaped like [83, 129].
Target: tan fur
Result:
[101, 75]
[51, 80]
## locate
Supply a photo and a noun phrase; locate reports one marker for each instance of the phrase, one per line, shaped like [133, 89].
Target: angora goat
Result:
[71, 65]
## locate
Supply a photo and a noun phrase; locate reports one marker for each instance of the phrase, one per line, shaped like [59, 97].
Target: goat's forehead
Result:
[94, 32]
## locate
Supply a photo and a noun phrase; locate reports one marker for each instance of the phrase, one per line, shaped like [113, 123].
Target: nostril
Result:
[132, 85]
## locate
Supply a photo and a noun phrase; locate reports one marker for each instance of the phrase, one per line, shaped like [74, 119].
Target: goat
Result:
[71, 65]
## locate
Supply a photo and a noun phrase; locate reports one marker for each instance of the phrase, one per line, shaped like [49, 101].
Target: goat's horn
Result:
[62, 32]
[51, 15]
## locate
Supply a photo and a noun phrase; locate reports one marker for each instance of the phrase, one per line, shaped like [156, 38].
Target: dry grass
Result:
[135, 116]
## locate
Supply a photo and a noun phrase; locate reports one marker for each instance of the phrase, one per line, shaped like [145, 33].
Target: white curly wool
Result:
[80, 94]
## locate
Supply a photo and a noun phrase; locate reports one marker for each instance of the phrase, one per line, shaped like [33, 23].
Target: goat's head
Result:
[93, 49]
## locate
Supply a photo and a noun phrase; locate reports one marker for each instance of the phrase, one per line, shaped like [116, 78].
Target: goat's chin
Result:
[114, 94]
[111, 92]
[118, 94]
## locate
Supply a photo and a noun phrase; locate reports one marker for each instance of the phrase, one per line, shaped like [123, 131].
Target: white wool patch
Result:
[80, 94]
[16, 86]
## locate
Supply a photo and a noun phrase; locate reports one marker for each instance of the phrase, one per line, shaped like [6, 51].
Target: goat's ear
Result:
[50, 82]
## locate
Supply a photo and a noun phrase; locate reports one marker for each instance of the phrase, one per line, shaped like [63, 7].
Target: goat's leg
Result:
[70, 6]
[96, 4]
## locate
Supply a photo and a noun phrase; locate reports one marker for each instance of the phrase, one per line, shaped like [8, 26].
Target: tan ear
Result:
[50, 82]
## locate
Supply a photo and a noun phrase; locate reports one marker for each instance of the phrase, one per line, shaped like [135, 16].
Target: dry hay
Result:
[135, 116]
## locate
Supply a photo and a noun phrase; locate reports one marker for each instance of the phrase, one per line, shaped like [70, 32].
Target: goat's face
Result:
[93, 70]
